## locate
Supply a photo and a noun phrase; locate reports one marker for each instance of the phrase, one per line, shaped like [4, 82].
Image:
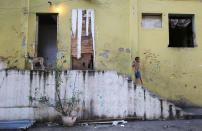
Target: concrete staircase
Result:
[168, 109]
[153, 105]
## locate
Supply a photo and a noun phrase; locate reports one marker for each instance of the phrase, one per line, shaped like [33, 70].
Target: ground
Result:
[174, 125]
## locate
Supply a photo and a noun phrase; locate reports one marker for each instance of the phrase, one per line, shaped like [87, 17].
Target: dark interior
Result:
[47, 38]
[181, 35]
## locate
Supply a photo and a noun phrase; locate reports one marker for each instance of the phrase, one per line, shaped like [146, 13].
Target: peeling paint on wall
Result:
[105, 54]
[10, 61]
[127, 50]
[23, 42]
[59, 55]
[121, 49]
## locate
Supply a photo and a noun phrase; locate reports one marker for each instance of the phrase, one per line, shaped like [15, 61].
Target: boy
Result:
[136, 67]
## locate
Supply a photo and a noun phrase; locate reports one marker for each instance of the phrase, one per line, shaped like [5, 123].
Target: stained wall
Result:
[173, 73]
[102, 95]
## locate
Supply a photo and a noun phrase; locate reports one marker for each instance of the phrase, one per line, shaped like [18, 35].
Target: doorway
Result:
[47, 38]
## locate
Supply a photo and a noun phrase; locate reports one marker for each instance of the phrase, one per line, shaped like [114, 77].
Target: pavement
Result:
[173, 125]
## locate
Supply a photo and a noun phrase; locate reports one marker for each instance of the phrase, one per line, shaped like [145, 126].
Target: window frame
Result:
[193, 29]
[152, 14]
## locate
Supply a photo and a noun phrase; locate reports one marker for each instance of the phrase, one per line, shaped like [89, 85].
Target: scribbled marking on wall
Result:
[152, 59]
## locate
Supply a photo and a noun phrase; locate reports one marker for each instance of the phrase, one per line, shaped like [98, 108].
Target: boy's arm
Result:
[133, 65]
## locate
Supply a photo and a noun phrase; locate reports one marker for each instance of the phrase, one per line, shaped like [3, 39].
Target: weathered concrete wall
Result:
[105, 94]
[19, 31]
[13, 31]
[173, 73]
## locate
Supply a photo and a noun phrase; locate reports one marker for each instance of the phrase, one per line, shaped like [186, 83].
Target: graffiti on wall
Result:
[152, 59]
[153, 64]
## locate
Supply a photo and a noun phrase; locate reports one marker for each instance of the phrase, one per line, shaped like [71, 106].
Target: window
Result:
[82, 39]
[181, 31]
[152, 20]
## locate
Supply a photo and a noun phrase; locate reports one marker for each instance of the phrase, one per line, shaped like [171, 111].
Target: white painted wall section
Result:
[2, 65]
[105, 95]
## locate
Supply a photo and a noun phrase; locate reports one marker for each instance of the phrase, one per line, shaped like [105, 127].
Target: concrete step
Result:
[167, 109]
[192, 113]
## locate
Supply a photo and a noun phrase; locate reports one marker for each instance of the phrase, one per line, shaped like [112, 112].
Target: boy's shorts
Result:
[138, 74]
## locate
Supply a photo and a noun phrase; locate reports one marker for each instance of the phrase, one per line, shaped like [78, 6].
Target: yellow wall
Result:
[12, 32]
[173, 73]
[111, 27]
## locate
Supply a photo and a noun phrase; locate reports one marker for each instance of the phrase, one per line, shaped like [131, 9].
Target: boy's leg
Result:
[135, 80]
[135, 77]
[140, 78]
[141, 81]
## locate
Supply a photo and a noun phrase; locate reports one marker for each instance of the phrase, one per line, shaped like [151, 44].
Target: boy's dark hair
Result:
[137, 58]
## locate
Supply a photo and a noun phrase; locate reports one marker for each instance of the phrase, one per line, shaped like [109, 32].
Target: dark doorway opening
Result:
[47, 38]
[181, 31]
